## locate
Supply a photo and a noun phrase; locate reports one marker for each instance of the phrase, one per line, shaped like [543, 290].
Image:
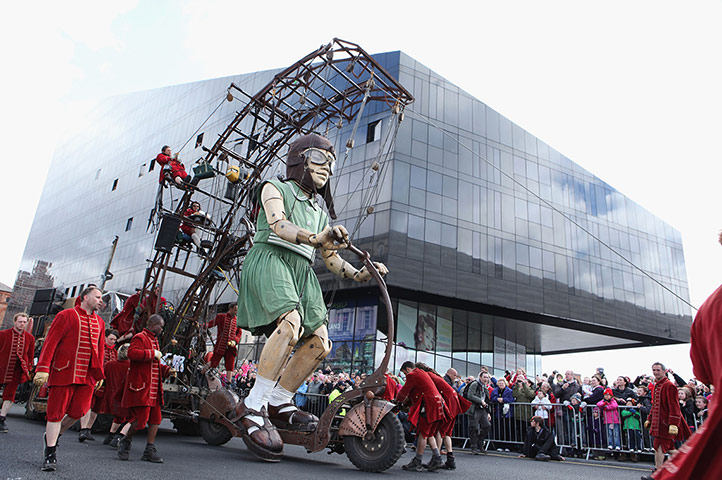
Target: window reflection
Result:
[441, 194]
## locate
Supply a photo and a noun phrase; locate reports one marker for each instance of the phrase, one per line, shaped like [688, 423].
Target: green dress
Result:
[277, 276]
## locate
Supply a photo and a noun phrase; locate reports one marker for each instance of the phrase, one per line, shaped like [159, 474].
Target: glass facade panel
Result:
[449, 223]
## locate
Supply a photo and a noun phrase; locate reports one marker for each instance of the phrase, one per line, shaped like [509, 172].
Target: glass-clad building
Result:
[500, 248]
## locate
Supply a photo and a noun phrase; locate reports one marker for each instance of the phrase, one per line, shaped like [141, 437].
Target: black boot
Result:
[50, 459]
[414, 465]
[150, 454]
[124, 448]
[435, 464]
[450, 461]
[3, 426]
[85, 435]
[114, 441]
[108, 438]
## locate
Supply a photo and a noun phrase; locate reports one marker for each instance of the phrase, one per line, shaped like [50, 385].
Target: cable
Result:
[550, 205]
[204, 122]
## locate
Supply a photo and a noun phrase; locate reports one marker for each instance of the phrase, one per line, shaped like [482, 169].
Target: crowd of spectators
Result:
[594, 413]
[606, 415]
[244, 376]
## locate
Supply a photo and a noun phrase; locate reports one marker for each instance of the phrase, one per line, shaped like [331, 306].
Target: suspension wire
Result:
[385, 152]
[223, 100]
[355, 190]
[372, 193]
[550, 205]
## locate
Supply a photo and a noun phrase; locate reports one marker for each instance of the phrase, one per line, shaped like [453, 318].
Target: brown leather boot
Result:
[288, 417]
[263, 440]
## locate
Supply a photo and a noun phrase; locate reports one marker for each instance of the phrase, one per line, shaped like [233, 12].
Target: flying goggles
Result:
[318, 156]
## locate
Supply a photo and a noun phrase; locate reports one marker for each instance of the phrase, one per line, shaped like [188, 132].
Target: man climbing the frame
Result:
[226, 340]
[279, 294]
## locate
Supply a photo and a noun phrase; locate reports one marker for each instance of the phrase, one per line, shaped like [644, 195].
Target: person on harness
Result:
[173, 169]
[188, 233]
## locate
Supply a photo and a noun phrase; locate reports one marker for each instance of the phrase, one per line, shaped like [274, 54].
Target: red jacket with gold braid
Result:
[116, 372]
[16, 355]
[123, 321]
[143, 388]
[73, 349]
[455, 403]
[226, 332]
[665, 412]
[421, 391]
[109, 355]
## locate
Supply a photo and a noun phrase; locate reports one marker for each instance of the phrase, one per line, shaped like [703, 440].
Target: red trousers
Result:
[447, 427]
[73, 400]
[229, 358]
[426, 429]
[9, 391]
[667, 444]
[146, 416]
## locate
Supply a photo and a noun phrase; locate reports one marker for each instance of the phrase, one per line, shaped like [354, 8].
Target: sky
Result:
[628, 90]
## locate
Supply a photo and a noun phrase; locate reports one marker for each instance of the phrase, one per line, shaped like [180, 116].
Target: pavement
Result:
[191, 457]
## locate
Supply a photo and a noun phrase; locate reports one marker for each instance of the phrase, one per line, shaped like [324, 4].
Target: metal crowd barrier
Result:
[314, 403]
[578, 431]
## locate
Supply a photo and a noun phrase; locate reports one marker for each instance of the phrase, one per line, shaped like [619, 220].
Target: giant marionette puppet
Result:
[279, 294]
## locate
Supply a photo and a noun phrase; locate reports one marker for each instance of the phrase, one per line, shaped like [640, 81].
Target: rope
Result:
[550, 205]
[227, 280]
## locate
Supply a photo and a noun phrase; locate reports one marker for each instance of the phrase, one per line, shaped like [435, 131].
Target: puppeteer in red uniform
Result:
[665, 412]
[16, 359]
[427, 413]
[147, 308]
[123, 321]
[699, 456]
[455, 404]
[71, 362]
[116, 372]
[86, 423]
[72, 355]
[226, 340]
[143, 388]
[143, 393]
[177, 172]
[427, 407]
[110, 355]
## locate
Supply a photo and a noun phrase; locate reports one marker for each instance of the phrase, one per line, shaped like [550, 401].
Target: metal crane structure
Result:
[328, 88]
